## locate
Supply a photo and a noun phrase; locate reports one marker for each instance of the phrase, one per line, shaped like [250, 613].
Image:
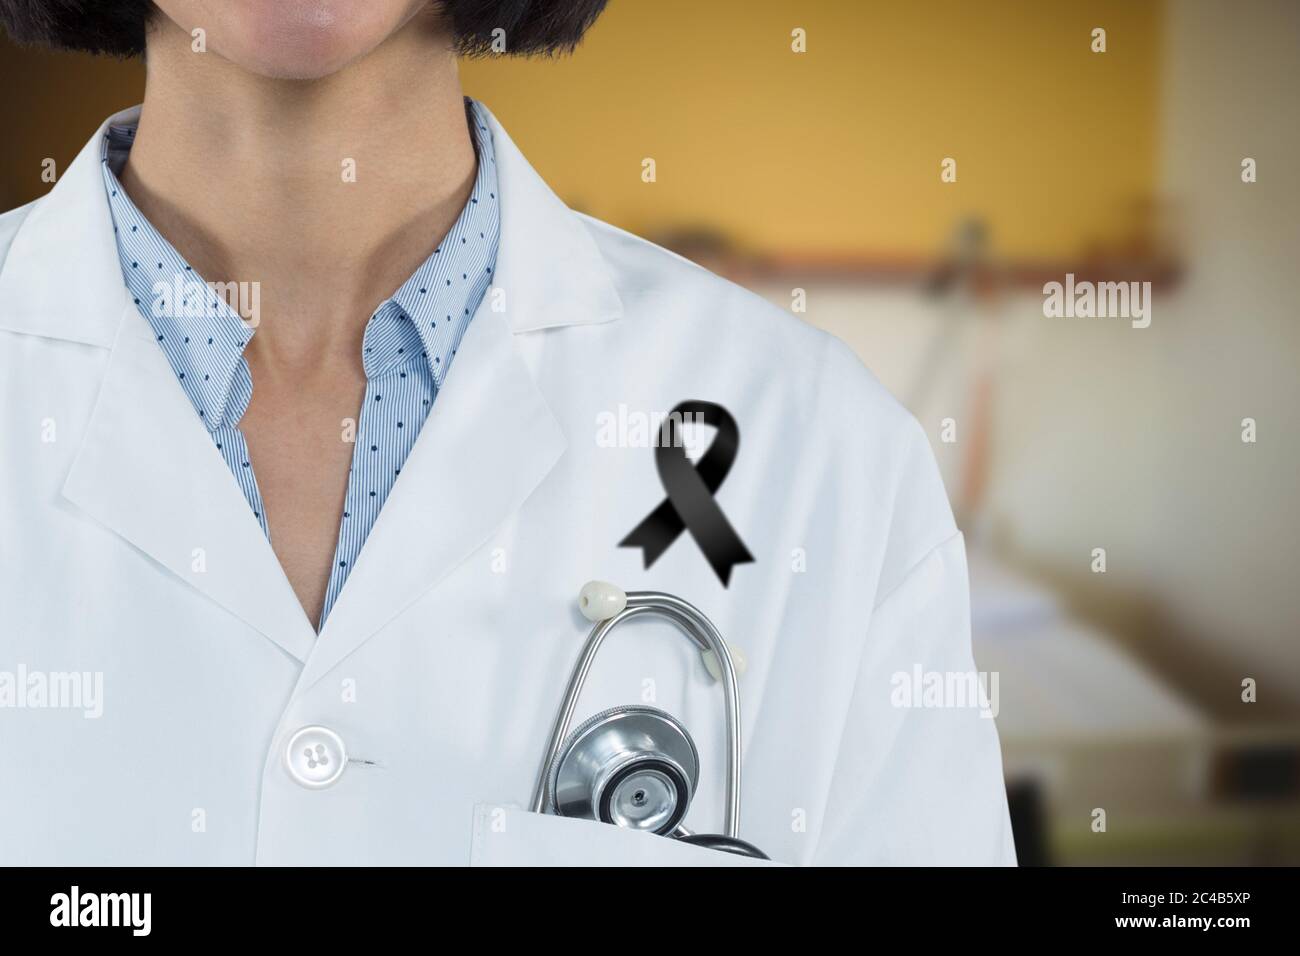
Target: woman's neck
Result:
[328, 193]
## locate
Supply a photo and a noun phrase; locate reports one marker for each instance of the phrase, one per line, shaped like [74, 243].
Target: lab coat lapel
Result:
[148, 470]
[490, 438]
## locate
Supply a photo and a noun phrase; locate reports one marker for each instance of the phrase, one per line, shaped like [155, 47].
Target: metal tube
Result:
[691, 622]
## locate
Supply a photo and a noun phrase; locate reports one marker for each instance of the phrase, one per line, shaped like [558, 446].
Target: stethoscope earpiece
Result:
[599, 601]
[636, 766]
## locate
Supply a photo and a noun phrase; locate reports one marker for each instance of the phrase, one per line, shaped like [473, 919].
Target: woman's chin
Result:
[291, 64]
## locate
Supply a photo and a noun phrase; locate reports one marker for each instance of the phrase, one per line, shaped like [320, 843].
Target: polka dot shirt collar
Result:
[428, 315]
[204, 338]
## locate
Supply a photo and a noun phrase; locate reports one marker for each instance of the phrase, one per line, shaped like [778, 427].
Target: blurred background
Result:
[814, 178]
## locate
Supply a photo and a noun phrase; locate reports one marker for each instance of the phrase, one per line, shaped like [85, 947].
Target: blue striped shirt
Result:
[408, 346]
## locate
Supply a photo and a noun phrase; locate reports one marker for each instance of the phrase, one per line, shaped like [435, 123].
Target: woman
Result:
[303, 368]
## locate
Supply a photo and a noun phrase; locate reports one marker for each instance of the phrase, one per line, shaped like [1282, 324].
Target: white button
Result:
[315, 757]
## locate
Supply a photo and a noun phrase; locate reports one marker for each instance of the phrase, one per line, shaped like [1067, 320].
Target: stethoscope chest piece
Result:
[634, 767]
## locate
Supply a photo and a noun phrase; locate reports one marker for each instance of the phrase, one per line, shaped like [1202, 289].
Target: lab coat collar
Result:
[548, 266]
[549, 271]
[62, 277]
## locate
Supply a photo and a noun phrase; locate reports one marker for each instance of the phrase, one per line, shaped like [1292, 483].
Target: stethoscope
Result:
[637, 766]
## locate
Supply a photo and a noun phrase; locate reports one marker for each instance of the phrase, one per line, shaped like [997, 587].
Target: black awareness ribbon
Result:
[690, 504]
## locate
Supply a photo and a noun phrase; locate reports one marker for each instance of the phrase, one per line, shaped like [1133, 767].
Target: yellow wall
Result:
[837, 151]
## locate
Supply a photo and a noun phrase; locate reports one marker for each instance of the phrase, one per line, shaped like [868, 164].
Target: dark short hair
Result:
[117, 27]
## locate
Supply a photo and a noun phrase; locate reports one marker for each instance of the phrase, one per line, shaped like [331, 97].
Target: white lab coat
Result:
[128, 552]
